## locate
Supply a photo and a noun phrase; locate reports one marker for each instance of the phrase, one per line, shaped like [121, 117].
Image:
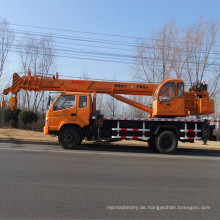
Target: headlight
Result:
[46, 120]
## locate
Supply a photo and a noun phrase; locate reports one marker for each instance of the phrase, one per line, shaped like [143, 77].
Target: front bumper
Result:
[46, 130]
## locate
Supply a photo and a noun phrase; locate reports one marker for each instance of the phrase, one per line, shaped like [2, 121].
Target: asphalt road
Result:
[46, 182]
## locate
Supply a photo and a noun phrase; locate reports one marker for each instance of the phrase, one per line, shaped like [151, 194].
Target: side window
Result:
[82, 101]
[65, 101]
[167, 92]
[180, 90]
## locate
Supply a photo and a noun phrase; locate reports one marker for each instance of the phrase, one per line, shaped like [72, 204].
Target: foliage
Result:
[36, 54]
[27, 117]
[6, 40]
[34, 126]
[9, 118]
[187, 53]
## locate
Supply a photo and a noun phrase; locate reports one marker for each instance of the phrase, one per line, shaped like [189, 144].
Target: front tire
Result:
[69, 137]
[166, 142]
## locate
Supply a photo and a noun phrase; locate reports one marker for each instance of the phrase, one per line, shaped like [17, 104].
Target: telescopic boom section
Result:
[40, 83]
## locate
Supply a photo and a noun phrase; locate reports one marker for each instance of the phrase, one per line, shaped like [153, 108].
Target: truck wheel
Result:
[151, 144]
[69, 137]
[166, 142]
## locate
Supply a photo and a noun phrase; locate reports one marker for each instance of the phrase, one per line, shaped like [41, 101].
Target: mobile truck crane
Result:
[73, 115]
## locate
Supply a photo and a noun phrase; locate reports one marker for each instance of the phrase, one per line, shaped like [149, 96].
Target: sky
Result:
[113, 17]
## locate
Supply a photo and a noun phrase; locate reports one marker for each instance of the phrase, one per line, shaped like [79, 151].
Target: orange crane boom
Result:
[169, 97]
[39, 83]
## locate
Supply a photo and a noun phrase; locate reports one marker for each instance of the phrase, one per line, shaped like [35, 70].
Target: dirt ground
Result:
[25, 135]
[33, 136]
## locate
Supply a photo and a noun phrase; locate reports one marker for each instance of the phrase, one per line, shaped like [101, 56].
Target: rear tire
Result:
[69, 137]
[166, 142]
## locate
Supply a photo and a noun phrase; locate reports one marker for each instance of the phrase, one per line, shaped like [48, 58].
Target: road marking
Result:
[119, 154]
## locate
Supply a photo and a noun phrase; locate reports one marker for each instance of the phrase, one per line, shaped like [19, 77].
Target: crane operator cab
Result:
[168, 99]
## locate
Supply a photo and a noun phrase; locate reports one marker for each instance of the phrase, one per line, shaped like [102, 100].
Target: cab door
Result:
[83, 110]
[63, 110]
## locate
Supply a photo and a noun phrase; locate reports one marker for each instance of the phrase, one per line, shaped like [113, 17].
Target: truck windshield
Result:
[65, 101]
[167, 92]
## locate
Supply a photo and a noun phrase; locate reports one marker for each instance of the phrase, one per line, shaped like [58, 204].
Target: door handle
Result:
[168, 103]
[74, 114]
